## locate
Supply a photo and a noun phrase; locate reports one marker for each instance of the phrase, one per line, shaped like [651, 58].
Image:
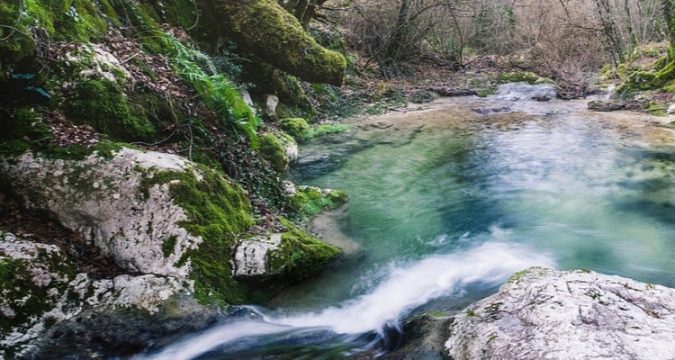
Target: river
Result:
[446, 202]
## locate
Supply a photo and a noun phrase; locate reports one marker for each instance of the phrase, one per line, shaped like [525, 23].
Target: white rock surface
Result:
[671, 109]
[546, 314]
[252, 255]
[271, 103]
[62, 295]
[104, 200]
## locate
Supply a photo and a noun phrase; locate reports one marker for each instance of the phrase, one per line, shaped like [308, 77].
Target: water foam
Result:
[406, 288]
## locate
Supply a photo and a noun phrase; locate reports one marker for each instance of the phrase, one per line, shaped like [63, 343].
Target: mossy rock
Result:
[300, 255]
[31, 283]
[523, 76]
[218, 212]
[296, 127]
[309, 201]
[104, 105]
[275, 147]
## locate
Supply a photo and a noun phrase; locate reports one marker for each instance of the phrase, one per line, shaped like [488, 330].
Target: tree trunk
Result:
[265, 29]
[669, 11]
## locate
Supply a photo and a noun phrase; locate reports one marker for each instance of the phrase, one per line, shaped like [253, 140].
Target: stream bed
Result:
[446, 202]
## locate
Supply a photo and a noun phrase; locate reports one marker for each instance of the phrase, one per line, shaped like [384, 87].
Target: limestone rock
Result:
[279, 148]
[545, 314]
[271, 103]
[104, 200]
[252, 255]
[40, 288]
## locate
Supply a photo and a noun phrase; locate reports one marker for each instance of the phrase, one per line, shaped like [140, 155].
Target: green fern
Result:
[218, 92]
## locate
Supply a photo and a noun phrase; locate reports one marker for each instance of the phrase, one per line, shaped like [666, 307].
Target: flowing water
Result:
[446, 203]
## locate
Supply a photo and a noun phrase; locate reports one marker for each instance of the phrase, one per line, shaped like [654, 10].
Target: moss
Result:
[267, 30]
[300, 255]
[218, 212]
[27, 299]
[169, 245]
[517, 276]
[325, 129]
[19, 129]
[471, 313]
[523, 76]
[658, 108]
[296, 127]
[103, 105]
[273, 149]
[309, 201]
[659, 76]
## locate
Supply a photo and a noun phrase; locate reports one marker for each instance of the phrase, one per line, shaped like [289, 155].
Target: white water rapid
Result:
[403, 290]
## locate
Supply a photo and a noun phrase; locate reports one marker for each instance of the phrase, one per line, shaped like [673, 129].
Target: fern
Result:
[218, 92]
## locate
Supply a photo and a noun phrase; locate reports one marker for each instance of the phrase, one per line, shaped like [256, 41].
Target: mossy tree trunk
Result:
[267, 30]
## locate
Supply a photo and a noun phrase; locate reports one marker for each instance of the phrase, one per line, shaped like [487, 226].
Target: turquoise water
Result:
[583, 192]
[449, 215]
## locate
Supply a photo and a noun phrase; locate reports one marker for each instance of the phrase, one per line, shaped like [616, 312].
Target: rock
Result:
[288, 188]
[423, 338]
[246, 96]
[545, 314]
[671, 109]
[251, 258]
[152, 213]
[40, 288]
[616, 105]
[451, 92]
[271, 103]
[286, 257]
[122, 333]
[105, 201]
[279, 148]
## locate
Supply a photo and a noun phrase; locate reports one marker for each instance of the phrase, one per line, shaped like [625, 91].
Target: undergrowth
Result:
[218, 93]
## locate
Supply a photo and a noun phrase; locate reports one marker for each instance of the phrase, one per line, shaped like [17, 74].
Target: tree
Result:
[265, 29]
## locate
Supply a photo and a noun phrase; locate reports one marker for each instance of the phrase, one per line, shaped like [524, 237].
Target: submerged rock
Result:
[545, 314]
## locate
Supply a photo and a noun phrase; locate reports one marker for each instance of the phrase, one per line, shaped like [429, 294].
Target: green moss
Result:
[28, 299]
[309, 201]
[325, 129]
[103, 105]
[169, 245]
[270, 32]
[300, 255]
[272, 149]
[517, 276]
[658, 108]
[471, 313]
[522, 76]
[659, 76]
[296, 127]
[19, 129]
[219, 212]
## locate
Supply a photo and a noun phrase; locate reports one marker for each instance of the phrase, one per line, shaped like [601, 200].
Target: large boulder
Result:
[545, 314]
[40, 287]
[153, 213]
